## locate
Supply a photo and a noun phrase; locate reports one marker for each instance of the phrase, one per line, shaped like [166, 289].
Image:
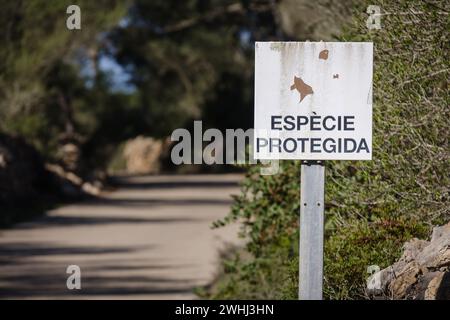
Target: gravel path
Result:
[150, 239]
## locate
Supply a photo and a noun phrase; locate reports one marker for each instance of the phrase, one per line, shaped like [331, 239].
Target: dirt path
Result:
[150, 239]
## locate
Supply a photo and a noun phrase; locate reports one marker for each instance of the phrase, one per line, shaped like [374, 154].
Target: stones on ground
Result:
[423, 271]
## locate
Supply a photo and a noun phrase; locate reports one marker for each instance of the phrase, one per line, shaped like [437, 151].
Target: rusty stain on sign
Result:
[302, 88]
[323, 54]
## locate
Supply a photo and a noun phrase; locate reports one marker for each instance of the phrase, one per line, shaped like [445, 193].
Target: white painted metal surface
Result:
[322, 80]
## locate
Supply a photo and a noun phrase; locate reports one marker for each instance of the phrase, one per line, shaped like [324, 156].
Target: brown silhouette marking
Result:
[302, 88]
[323, 54]
[336, 76]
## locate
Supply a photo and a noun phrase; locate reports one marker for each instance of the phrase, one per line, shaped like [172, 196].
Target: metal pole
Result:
[311, 230]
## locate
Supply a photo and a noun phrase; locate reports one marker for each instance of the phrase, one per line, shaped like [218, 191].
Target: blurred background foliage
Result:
[147, 67]
[138, 67]
[43, 95]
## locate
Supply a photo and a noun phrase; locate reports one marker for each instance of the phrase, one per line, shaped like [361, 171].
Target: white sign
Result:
[313, 100]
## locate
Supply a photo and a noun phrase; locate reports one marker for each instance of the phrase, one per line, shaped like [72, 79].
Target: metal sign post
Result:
[311, 230]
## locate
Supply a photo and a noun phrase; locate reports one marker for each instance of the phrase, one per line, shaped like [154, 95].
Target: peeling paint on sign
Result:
[302, 88]
[323, 54]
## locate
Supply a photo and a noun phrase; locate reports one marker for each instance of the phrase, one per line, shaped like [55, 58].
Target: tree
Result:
[41, 83]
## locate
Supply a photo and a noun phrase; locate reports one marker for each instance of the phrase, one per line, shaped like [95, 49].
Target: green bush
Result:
[372, 207]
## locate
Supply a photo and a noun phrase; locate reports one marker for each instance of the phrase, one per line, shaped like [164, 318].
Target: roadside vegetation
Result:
[372, 207]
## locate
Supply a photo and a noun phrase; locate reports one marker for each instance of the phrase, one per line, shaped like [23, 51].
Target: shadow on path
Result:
[150, 239]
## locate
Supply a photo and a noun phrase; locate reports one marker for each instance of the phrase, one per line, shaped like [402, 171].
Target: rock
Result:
[90, 188]
[440, 231]
[432, 291]
[379, 281]
[422, 272]
[443, 288]
[71, 185]
[27, 184]
[412, 248]
[142, 155]
[437, 254]
[403, 280]
[60, 172]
